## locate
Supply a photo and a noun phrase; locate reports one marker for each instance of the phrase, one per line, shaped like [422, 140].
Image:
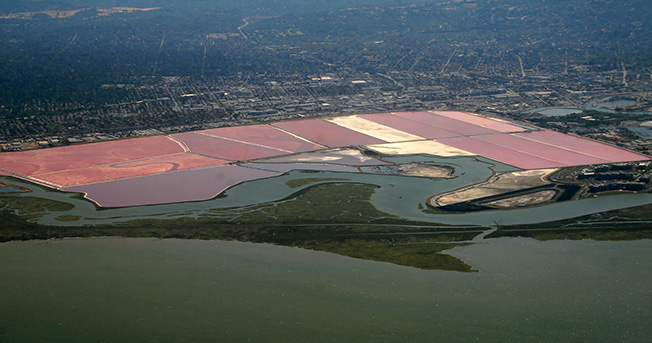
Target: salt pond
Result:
[615, 103]
[401, 196]
[642, 131]
[592, 106]
[556, 111]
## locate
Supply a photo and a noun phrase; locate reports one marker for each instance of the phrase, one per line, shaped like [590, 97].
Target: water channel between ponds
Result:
[401, 196]
[140, 289]
[9, 189]
[642, 131]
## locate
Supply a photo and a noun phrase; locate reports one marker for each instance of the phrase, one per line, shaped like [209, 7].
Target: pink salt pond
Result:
[203, 144]
[122, 170]
[326, 133]
[177, 186]
[198, 165]
[86, 155]
[459, 127]
[264, 135]
[410, 126]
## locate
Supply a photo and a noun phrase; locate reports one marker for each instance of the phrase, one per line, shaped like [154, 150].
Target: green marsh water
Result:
[137, 290]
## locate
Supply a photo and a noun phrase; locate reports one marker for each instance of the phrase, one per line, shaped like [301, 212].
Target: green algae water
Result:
[152, 290]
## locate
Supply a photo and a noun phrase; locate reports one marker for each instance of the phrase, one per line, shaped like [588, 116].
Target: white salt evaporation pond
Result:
[138, 290]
